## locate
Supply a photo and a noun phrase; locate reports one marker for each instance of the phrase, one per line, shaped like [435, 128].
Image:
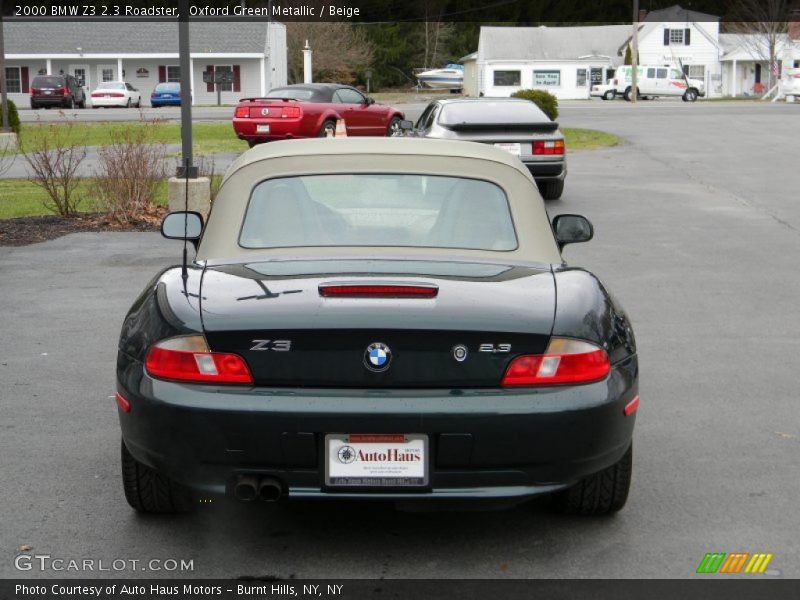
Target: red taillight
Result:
[378, 291]
[548, 147]
[242, 112]
[566, 361]
[111, 94]
[64, 91]
[35, 91]
[187, 358]
[290, 112]
[796, 75]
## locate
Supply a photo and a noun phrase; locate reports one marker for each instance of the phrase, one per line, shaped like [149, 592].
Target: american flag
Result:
[775, 68]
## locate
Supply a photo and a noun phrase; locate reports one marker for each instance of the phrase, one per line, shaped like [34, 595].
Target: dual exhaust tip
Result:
[253, 487]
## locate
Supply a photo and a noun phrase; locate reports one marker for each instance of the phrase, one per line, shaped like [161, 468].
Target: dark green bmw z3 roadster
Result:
[377, 319]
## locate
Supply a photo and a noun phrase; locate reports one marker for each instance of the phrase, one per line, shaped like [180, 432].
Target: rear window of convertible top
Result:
[393, 210]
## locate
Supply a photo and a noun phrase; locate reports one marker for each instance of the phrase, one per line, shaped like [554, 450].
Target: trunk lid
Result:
[273, 314]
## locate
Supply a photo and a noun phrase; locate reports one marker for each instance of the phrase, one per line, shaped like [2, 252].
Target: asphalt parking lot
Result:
[698, 234]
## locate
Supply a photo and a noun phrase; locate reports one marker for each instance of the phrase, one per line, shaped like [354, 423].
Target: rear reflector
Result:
[549, 147]
[187, 358]
[631, 407]
[242, 112]
[565, 361]
[123, 404]
[378, 291]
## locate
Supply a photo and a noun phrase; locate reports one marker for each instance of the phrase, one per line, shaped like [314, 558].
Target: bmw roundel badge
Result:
[377, 357]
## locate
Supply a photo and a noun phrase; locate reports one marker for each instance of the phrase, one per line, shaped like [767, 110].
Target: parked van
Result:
[658, 80]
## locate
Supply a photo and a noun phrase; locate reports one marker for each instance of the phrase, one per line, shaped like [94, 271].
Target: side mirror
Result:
[182, 225]
[572, 229]
[406, 125]
[370, 101]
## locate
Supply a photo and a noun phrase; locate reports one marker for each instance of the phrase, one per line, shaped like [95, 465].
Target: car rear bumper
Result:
[247, 129]
[483, 443]
[99, 102]
[50, 100]
[547, 170]
[165, 102]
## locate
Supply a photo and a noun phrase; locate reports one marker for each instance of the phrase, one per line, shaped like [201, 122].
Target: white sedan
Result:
[116, 93]
[605, 91]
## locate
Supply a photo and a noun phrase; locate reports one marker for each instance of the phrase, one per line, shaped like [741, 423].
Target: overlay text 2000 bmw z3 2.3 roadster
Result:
[377, 318]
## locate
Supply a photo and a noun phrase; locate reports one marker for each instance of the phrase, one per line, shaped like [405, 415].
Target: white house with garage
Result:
[145, 54]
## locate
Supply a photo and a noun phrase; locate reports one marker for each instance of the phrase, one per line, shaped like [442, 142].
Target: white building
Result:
[145, 54]
[745, 62]
[679, 37]
[565, 61]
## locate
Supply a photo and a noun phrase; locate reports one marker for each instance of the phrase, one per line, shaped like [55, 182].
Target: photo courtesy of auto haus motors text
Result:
[406, 299]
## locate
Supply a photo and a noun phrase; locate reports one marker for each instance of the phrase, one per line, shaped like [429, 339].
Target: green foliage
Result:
[13, 117]
[546, 101]
[628, 55]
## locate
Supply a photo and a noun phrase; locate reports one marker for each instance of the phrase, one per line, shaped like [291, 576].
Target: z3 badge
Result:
[274, 345]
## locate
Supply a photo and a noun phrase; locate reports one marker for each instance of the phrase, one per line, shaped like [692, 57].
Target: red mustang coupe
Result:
[311, 110]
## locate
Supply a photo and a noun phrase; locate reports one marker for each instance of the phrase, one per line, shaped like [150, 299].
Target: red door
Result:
[360, 118]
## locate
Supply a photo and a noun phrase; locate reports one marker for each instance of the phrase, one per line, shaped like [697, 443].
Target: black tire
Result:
[627, 95]
[149, 492]
[128, 103]
[600, 494]
[610, 95]
[393, 129]
[70, 104]
[551, 190]
[253, 143]
[690, 95]
[326, 126]
[34, 107]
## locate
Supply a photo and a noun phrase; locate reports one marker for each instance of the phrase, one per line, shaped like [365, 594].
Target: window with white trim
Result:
[13, 80]
[697, 71]
[173, 74]
[507, 78]
[676, 36]
[223, 71]
[581, 79]
[107, 74]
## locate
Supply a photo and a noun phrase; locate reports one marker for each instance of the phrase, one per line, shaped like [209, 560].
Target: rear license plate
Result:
[510, 148]
[47, 92]
[262, 128]
[376, 460]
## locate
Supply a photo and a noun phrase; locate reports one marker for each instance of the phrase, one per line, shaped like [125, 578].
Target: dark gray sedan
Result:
[513, 124]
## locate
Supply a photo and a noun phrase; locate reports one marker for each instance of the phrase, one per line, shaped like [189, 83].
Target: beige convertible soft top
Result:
[377, 155]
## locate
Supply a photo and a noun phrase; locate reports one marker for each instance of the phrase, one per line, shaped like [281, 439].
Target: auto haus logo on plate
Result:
[376, 459]
[377, 357]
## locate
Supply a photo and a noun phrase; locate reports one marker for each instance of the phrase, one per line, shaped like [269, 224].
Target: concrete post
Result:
[307, 77]
[199, 195]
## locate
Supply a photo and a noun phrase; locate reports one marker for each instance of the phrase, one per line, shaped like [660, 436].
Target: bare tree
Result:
[129, 172]
[762, 26]
[54, 164]
[340, 50]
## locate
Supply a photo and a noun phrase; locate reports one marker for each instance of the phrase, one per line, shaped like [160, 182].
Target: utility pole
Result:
[4, 123]
[186, 92]
[635, 53]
